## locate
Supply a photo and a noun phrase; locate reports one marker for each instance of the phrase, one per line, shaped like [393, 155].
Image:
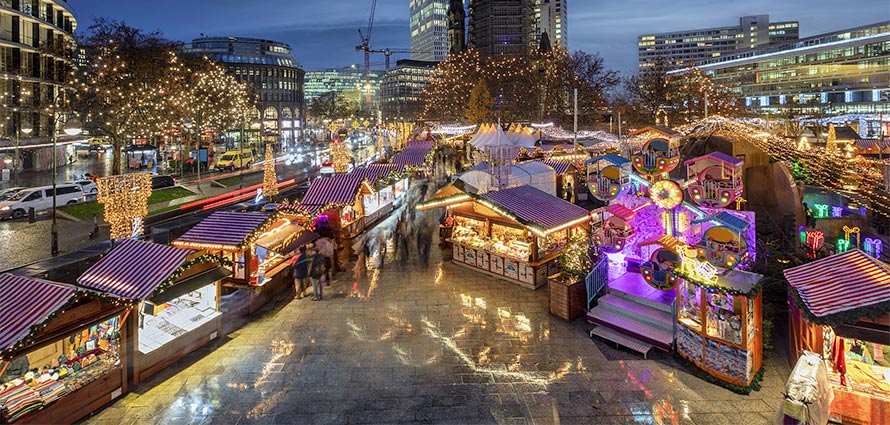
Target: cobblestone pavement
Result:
[434, 345]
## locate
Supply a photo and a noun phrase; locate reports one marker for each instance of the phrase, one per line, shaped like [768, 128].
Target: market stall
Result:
[175, 293]
[839, 308]
[61, 356]
[514, 234]
[719, 322]
[391, 187]
[337, 203]
[566, 179]
[259, 247]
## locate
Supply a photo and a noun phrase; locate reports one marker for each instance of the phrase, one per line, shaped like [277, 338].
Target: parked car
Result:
[89, 187]
[233, 160]
[10, 192]
[159, 181]
[41, 199]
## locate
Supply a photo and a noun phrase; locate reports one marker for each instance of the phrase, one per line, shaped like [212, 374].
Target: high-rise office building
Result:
[502, 27]
[552, 17]
[679, 49]
[429, 29]
[270, 70]
[845, 71]
[402, 89]
[348, 81]
[36, 38]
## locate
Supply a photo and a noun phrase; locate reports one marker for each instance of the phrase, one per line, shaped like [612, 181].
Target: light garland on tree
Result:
[270, 178]
[125, 198]
[341, 156]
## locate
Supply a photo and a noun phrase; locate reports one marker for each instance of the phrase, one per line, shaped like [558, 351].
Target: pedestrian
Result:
[316, 272]
[326, 248]
[422, 248]
[301, 273]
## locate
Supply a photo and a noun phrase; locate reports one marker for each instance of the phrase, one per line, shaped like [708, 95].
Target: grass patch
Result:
[86, 210]
[229, 181]
[167, 195]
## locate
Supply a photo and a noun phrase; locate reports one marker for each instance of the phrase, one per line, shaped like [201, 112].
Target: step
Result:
[621, 339]
[658, 318]
[648, 302]
[632, 327]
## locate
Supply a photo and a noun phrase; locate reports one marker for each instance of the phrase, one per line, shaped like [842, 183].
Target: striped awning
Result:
[373, 172]
[841, 282]
[536, 207]
[337, 189]
[26, 302]
[226, 229]
[134, 269]
[561, 167]
[425, 145]
[410, 157]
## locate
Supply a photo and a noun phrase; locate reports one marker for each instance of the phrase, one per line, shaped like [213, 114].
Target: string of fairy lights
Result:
[270, 178]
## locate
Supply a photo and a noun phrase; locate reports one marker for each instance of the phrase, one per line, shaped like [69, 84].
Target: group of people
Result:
[313, 264]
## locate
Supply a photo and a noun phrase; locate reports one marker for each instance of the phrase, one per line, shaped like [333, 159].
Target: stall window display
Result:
[689, 305]
[47, 374]
[469, 231]
[161, 324]
[510, 242]
[859, 366]
[348, 215]
[725, 318]
[553, 243]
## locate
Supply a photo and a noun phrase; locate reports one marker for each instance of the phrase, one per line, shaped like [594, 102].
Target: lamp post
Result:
[72, 128]
[26, 130]
[188, 124]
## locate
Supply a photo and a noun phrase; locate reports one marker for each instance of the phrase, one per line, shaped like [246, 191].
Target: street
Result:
[438, 344]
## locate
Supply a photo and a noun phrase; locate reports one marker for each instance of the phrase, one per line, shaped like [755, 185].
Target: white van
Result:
[41, 199]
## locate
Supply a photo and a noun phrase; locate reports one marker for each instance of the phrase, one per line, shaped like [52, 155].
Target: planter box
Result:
[567, 301]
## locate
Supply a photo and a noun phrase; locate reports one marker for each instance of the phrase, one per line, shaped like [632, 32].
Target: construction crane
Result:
[366, 48]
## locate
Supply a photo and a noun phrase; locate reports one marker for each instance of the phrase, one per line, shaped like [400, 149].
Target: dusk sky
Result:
[324, 34]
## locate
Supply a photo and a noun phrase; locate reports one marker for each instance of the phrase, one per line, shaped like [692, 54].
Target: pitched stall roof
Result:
[622, 212]
[410, 157]
[534, 207]
[373, 172]
[222, 228]
[134, 269]
[561, 167]
[420, 145]
[841, 282]
[718, 156]
[610, 157]
[667, 131]
[845, 133]
[337, 189]
[26, 302]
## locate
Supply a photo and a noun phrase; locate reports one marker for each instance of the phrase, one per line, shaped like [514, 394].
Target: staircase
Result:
[634, 315]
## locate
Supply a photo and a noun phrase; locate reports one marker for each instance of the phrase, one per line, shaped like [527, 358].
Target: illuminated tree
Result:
[479, 105]
[330, 106]
[270, 179]
[206, 94]
[125, 201]
[645, 93]
[688, 91]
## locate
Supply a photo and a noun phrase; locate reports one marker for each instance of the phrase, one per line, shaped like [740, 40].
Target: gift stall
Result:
[175, 293]
[839, 308]
[258, 247]
[566, 179]
[61, 356]
[514, 234]
[337, 202]
[390, 188]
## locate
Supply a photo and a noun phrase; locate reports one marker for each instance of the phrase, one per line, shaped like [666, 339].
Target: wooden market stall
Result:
[390, 189]
[175, 296]
[514, 234]
[337, 202]
[839, 308]
[61, 356]
[719, 322]
[258, 246]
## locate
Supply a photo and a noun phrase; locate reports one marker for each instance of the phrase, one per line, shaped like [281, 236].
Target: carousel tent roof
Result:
[536, 208]
[226, 228]
[621, 211]
[134, 269]
[841, 282]
[725, 219]
[337, 189]
[26, 302]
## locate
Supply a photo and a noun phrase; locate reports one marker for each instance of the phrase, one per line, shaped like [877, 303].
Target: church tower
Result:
[456, 31]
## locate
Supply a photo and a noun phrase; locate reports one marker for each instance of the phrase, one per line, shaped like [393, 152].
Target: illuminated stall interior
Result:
[390, 187]
[176, 297]
[514, 234]
[337, 202]
[62, 355]
[838, 308]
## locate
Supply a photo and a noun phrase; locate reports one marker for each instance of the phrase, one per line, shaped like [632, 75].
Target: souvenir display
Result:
[161, 324]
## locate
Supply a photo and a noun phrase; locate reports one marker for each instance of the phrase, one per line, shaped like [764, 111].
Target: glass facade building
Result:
[502, 27]
[679, 49]
[846, 71]
[429, 29]
[402, 90]
[270, 70]
[36, 46]
[552, 17]
[348, 81]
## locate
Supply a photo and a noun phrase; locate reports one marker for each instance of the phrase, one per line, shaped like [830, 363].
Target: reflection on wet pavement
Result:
[433, 345]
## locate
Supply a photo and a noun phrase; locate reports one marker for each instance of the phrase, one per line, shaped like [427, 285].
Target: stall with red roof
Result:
[175, 297]
[258, 246]
[839, 308]
[62, 353]
[514, 234]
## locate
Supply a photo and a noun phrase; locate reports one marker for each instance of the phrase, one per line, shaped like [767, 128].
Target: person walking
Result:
[301, 273]
[327, 249]
[316, 271]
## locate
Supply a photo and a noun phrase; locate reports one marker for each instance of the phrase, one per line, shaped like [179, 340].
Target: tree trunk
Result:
[116, 154]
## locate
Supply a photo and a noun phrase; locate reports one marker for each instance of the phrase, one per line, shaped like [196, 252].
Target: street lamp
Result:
[26, 130]
[72, 128]
[188, 124]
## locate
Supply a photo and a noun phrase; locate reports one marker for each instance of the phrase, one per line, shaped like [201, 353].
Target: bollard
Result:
[31, 215]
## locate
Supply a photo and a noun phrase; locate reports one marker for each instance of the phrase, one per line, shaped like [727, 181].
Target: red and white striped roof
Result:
[410, 157]
[337, 189]
[134, 269]
[222, 228]
[561, 167]
[25, 302]
[621, 211]
[841, 282]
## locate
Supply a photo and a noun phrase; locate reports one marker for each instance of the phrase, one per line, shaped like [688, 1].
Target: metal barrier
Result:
[597, 279]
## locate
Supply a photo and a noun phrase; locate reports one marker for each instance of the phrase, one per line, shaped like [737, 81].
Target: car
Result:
[235, 159]
[88, 186]
[162, 181]
[10, 192]
[41, 199]
[97, 149]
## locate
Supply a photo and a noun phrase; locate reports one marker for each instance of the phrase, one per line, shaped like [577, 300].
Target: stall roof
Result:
[134, 269]
[621, 211]
[420, 145]
[410, 157]
[337, 189]
[26, 302]
[667, 131]
[611, 157]
[561, 167]
[719, 156]
[739, 281]
[373, 172]
[841, 282]
[725, 219]
[534, 207]
[222, 228]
